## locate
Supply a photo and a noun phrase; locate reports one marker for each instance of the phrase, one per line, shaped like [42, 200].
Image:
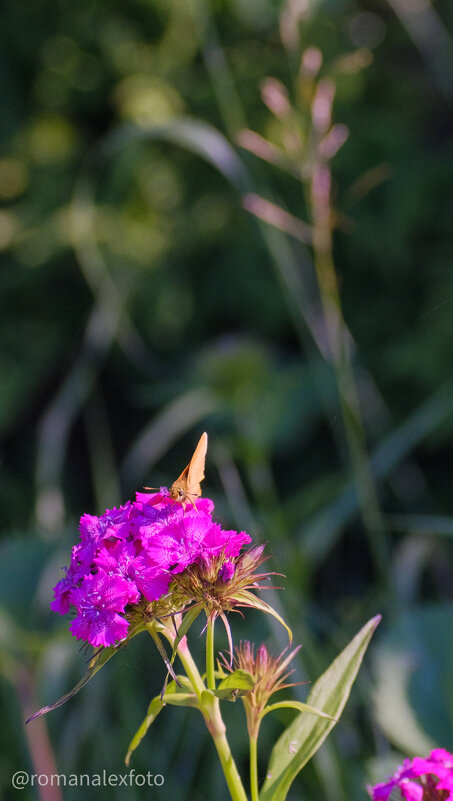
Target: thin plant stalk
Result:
[254, 792]
[210, 670]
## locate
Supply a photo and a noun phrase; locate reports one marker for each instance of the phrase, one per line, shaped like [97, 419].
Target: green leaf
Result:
[186, 623]
[306, 733]
[300, 706]
[238, 679]
[98, 661]
[181, 693]
[235, 685]
[161, 648]
[229, 694]
[154, 708]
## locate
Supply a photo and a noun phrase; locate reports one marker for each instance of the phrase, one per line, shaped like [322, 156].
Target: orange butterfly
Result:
[187, 486]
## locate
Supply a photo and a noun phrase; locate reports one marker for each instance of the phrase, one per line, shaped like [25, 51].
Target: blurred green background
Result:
[145, 301]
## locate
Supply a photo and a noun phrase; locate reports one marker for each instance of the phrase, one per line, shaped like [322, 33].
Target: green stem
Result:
[216, 726]
[210, 709]
[254, 768]
[210, 671]
[191, 669]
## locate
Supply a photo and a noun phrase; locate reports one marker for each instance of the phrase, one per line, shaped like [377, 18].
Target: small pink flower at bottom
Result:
[420, 779]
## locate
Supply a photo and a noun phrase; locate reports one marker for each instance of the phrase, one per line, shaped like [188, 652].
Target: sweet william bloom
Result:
[419, 779]
[123, 569]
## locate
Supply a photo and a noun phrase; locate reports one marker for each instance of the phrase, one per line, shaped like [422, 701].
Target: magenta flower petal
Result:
[99, 627]
[115, 558]
[151, 498]
[149, 577]
[381, 792]
[102, 592]
[446, 783]
[98, 600]
[435, 774]
[442, 757]
[62, 596]
[178, 543]
[217, 540]
[411, 791]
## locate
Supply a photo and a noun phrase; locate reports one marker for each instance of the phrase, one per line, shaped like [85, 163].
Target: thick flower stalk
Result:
[419, 779]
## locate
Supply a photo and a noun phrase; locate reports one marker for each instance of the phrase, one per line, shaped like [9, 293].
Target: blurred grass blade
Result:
[422, 524]
[154, 441]
[306, 733]
[195, 135]
[413, 675]
[392, 706]
[318, 536]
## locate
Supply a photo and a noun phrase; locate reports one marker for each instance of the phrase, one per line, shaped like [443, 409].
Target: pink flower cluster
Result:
[130, 554]
[420, 779]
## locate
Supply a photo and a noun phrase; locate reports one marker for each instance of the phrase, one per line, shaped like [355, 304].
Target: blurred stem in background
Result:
[308, 154]
[326, 142]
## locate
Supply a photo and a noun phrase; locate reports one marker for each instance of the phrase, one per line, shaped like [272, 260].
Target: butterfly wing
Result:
[181, 482]
[187, 485]
[195, 468]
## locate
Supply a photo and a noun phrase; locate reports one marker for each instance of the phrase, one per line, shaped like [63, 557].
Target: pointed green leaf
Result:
[154, 708]
[97, 662]
[306, 733]
[300, 706]
[186, 623]
[161, 648]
